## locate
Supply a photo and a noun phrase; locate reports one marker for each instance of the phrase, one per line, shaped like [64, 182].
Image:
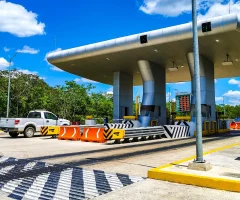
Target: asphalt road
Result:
[132, 158]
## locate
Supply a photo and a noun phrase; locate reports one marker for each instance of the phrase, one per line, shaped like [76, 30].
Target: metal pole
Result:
[223, 107]
[9, 83]
[229, 6]
[199, 149]
[170, 106]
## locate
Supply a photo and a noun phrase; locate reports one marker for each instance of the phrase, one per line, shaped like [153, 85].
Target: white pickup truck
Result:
[28, 126]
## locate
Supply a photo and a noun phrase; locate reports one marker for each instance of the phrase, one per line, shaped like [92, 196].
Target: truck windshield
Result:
[34, 115]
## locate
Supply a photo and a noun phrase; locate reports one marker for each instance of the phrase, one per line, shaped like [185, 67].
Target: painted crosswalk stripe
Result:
[66, 182]
[3, 159]
[77, 184]
[10, 186]
[114, 181]
[38, 180]
[53, 180]
[101, 179]
[21, 189]
[89, 182]
[29, 166]
[7, 169]
[125, 180]
[34, 192]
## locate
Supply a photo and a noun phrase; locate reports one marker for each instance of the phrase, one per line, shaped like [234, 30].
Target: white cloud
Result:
[174, 8]
[180, 83]
[232, 93]
[168, 94]
[84, 80]
[26, 71]
[218, 98]
[29, 50]
[77, 80]
[234, 82]
[220, 8]
[4, 64]
[234, 97]
[6, 49]
[168, 8]
[54, 68]
[234, 102]
[15, 19]
[215, 80]
[110, 91]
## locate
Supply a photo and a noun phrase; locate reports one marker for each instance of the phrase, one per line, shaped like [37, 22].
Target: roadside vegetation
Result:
[71, 101]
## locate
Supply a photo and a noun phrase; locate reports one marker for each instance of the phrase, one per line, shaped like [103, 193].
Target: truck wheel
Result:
[13, 134]
[29, 132]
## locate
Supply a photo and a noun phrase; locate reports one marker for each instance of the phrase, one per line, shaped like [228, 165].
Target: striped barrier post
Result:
[114, 134]
[176, 131]
[50, 130]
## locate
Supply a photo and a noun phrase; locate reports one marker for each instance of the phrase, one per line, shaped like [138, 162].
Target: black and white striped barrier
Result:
[192, 126]
[176, 131]
[125, 125]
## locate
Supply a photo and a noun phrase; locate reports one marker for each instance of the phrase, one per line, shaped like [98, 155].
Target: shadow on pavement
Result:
[116, 157]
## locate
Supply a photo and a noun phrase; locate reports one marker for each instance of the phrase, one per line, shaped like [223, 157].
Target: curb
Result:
[197, 180]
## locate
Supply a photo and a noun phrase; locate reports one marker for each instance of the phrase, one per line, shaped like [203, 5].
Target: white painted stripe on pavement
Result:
[32, 192]
[3, 159]
[114, 179]
[29, 166]
[67, 184]
[5, 170]
[10, 186]
[89, 181]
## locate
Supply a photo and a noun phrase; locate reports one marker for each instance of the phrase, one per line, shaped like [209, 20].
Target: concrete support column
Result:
[122, 95]
[154, 93]
[207, 88]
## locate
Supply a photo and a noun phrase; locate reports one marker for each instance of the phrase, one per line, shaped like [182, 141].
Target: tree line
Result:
[71, 101]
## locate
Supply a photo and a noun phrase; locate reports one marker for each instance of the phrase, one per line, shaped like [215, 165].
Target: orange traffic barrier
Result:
[69, 133]
[235, 125]
[93, 134]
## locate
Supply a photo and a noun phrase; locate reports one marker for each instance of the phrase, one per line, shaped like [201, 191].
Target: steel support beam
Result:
[122, 95]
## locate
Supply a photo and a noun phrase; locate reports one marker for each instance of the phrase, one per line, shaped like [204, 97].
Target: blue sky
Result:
[35, 28]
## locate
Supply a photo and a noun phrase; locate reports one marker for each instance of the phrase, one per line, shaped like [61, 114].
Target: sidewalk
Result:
[224, 174]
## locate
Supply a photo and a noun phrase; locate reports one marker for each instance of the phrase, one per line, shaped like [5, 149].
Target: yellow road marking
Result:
[193, 179]
[205, 153]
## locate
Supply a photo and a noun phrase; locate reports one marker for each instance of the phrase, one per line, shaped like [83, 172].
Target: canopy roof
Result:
[164, 46]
